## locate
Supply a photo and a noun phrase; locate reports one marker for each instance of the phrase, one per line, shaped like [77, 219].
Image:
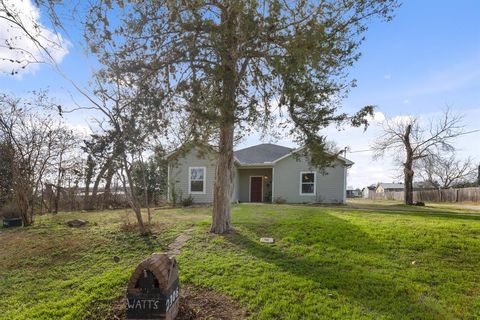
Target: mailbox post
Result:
[153, 289]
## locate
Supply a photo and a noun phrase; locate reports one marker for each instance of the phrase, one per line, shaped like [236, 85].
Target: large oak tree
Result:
[230, 65]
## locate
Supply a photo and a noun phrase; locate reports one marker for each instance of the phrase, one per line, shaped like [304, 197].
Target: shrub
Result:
[280, 200]
[173, 195]
[187, 202]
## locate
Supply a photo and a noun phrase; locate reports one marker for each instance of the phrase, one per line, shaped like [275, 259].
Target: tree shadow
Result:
[344, 260]
[445, 214]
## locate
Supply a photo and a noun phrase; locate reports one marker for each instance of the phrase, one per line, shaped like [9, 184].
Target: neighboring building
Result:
[263, 173]
[354, 193]
[389, 187]
[368, 191]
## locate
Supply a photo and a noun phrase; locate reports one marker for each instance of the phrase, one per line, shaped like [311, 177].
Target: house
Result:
[353, 193]
[383, 187]
[368, 191]
[263, 173]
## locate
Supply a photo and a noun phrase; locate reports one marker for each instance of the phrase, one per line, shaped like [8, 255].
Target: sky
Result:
[425, 60]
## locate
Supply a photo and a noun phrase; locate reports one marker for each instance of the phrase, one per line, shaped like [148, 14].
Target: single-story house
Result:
[263, 173]
[354, 193]
[368, 191]
[389, 187]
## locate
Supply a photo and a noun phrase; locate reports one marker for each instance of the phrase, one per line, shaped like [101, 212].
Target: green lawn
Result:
[365, 261]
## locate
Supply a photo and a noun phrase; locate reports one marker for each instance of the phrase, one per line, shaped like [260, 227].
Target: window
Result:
[197, 179]
[307, 183]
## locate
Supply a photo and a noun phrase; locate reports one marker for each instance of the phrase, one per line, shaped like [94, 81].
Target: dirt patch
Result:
[196, 304]
[201, 303]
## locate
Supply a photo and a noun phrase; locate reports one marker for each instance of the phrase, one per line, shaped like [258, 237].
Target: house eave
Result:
[255, 165]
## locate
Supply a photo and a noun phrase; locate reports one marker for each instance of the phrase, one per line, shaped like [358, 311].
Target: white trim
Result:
[314, 183]
[250, 188]
[273, 183]
[190, 181]
[264, 165]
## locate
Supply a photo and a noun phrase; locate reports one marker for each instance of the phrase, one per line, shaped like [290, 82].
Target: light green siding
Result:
[179, 174]
[283, 180]
[330, 188]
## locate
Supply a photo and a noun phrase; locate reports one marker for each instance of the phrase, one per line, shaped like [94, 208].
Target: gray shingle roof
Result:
[391, 185]
[261, 153]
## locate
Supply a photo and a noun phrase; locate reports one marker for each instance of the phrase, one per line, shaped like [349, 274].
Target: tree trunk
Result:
[59, 182]
[88, 179]
[134, 203]
[408, 172]
[107, 194]
[224, 172]
[223, 183]
[408, 167]
[93, 203]
[145, 193]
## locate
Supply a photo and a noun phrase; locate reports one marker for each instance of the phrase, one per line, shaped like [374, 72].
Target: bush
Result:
[187, 202]
[280, 200]
[9, 210]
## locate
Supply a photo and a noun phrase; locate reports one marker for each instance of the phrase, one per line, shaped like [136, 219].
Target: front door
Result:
[255, 189]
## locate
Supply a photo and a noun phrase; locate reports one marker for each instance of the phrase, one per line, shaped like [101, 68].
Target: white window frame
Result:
[190, 180]
[314, 183]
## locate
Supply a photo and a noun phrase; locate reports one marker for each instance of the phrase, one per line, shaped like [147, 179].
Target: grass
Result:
[365, 261]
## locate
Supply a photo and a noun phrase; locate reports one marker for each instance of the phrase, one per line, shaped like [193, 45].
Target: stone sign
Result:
[153, 289]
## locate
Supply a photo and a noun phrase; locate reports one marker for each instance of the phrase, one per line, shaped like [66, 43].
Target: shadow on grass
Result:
[398, 209]
[357, 267]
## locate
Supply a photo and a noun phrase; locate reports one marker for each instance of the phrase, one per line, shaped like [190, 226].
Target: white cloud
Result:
[81, 130]
[16, 45]
[406, 101]
[387, 76]
[377, 117]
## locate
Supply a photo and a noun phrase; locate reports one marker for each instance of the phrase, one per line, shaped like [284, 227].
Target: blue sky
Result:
[427, 58]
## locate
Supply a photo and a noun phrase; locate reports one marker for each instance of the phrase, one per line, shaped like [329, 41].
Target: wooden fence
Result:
[441, 195]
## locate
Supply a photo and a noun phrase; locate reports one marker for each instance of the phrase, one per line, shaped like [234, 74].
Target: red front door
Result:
[255, 189]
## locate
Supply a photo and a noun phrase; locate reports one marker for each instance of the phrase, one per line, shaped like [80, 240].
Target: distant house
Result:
[354, 193]
[368, 191]
[263, 173]
[383, 187]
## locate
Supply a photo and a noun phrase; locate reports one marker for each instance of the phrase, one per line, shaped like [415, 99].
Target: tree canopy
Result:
[228, 66]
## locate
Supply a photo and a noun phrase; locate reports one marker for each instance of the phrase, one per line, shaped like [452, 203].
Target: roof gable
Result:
[262, 153]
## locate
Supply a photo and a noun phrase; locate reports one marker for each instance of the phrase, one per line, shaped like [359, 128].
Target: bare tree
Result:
[66, 162]
[444, 170]
[33, 139]
[409, 140]
[27, 40]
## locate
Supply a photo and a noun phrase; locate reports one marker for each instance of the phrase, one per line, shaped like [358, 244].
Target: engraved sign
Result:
[153, 290]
